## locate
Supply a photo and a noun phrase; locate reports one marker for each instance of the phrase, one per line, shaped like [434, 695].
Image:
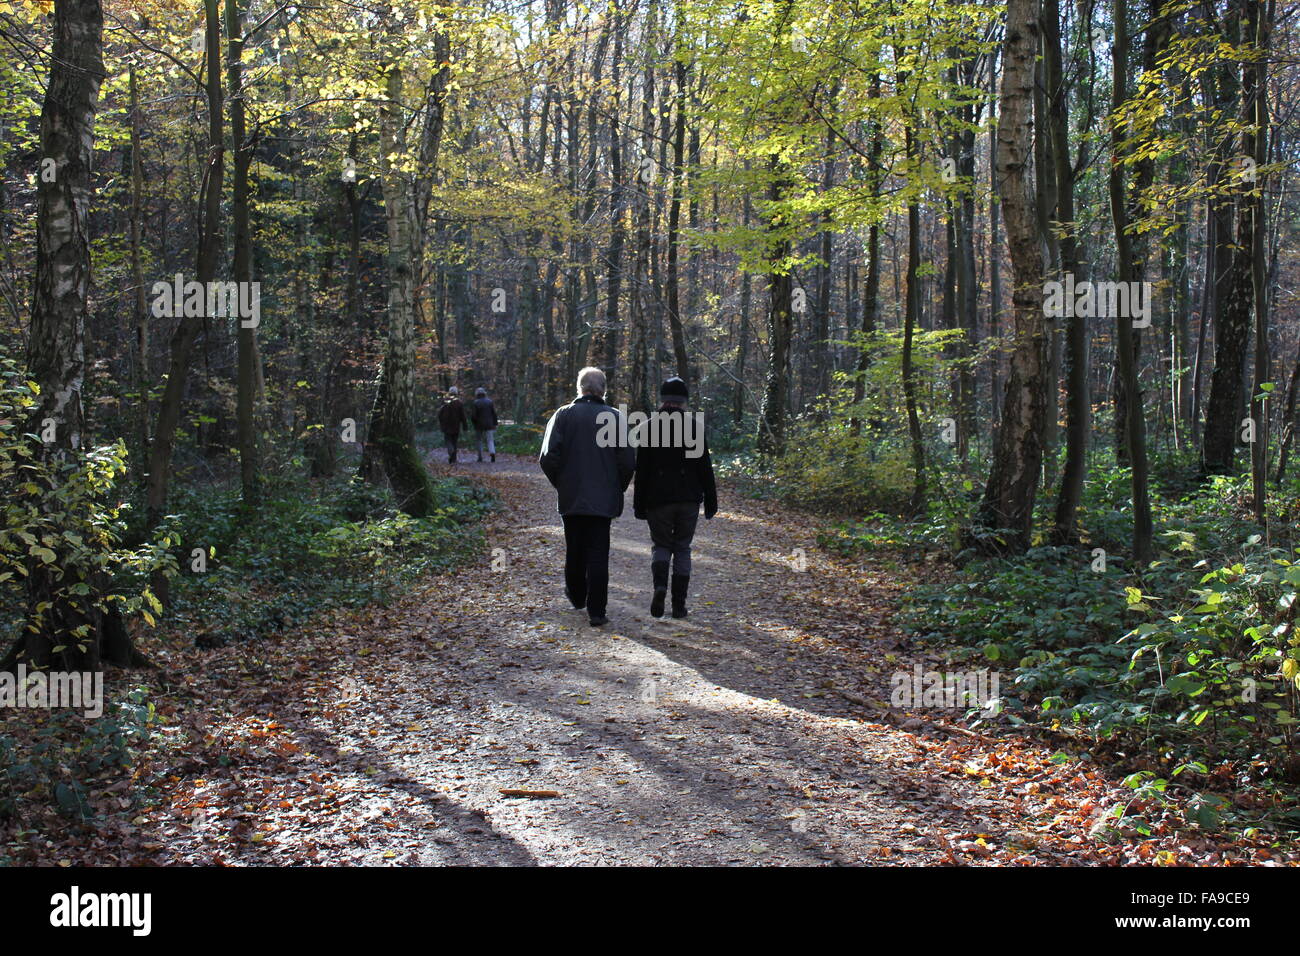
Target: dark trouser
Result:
[586, 560]
[672, 527]
[450, 441]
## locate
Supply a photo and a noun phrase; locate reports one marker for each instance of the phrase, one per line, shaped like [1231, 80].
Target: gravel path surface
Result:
[720, 738]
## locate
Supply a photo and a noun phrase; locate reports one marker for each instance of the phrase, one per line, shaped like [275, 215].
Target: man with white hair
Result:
[590, 477]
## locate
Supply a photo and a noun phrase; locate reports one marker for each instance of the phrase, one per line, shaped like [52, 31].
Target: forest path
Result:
[754, 731]
[723, 738]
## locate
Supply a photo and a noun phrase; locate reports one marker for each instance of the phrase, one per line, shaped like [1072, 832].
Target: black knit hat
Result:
[673, 388]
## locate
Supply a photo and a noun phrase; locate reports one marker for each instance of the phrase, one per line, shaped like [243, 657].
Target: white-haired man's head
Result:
[591, 381]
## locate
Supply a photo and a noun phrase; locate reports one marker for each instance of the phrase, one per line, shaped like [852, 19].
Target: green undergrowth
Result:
[516, 439]
[309, 547]
[1184, 673]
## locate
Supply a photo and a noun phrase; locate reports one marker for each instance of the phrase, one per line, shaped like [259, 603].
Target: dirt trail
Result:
[722, 738]
[719, 738]
[748, 733]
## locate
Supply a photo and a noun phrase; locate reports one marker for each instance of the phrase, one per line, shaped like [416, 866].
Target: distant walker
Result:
[483, 415]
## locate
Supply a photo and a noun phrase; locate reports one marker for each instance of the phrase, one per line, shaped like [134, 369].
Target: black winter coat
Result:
[483, 414]
[590, 479]
[666, 476]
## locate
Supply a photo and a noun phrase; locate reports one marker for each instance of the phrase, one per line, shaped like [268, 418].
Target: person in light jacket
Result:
[589, 477]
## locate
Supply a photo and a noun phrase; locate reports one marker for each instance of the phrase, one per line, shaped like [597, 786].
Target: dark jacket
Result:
[452, 416]
[483, 414]
[667, 476]
[590, 479]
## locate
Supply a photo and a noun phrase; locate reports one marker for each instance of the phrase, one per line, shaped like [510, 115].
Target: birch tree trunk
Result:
[1005, 516]
[392, 420]
[64, 630]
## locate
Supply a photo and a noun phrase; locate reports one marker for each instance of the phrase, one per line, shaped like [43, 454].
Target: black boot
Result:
[681, 582]
[659, 571]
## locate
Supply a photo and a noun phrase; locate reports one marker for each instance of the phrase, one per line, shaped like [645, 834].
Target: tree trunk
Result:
[1005, 517]
[1255, 140]
[246, 334]
[606, 345]
[1129, 271]
[392, 434]
[820, 350]
[1231, 274]
[742, 342]
[912, 308]
[674, 218]
[1077, 404]
[209, 256]
[141, 381]
[995, 277]
[967, 293]
[57, 616]
[780, 286]
[871, 285]
[406, 208]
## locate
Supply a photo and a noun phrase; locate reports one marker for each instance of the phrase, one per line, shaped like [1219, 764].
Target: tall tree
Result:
[406, 206]
[1259, 20]
[1130, 271]
[246, 333]
[674, 219]
[911, 311]
[1232, 297]
[1077, 405]
[780, 306]
[64, 626]
[208, 258]
[141, 381]
[870, 317]
[1005, 515]
[608, 340]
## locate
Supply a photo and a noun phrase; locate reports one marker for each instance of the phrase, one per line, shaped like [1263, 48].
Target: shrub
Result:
[56, 755]
[68, 519]
[1197, 652]
[520, 439]
[340, 544]
[832, 470]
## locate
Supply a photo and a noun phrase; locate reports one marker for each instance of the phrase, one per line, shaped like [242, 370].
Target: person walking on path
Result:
[484, 416]
[590, 476]
[671, 483]
[451, 418]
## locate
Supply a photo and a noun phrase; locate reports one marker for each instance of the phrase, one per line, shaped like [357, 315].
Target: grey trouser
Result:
[490, 435]
[672, 527]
